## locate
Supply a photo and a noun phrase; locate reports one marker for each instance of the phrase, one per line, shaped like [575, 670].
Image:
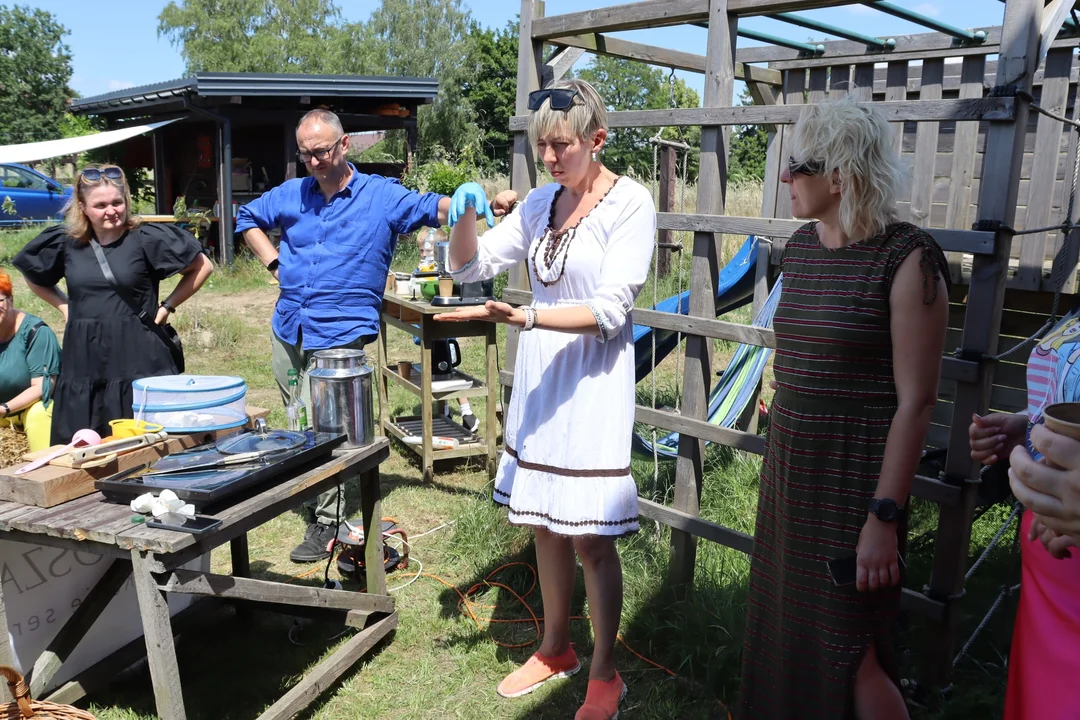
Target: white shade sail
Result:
[32, 152]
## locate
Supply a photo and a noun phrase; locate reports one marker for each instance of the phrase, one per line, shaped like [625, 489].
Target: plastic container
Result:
[191, 403]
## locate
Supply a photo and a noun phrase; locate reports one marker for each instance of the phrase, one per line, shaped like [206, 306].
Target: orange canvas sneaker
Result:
[602, 699]
[537, 671]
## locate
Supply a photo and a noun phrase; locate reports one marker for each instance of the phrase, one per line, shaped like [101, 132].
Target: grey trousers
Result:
[283, 358]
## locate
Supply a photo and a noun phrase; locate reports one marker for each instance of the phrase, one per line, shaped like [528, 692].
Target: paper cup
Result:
[404, 368]
[1064, 419]
[446, 287]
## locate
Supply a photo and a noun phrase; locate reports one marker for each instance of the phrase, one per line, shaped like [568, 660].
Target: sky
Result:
[120, 48]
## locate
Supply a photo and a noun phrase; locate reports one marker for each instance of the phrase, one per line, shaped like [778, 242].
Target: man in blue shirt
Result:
[338, 230]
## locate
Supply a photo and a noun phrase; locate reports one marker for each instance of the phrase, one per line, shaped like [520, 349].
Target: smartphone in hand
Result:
[842, 570]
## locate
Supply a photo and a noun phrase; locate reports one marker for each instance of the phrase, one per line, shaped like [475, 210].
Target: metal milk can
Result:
[341, 397]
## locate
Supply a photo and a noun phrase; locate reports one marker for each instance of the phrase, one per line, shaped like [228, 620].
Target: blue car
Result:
[37, 198]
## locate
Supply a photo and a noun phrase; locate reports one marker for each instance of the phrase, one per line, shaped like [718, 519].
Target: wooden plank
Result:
[695, 526]
[329, 670]
[997, 202]
[676, 59]
[191, 582]
[1053, 16]
[966, 136]
[839, 80]
[794, 85]
[706, 327]
[959, 370]
[895, 90]
[700, 429]
[935, 490]
[818, 84]
[989, 108]
[556, 68]
[711, 199]
[925, 145]
[648, 14]
[160, 650]
[863, 86]
[74, 630]
[50, 485]
[1055, 93]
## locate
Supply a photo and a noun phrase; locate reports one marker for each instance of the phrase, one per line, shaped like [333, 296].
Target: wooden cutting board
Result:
[51, 485]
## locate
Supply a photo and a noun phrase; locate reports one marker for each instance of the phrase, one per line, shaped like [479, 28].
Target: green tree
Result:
[632, 85]
[749, 145]
[298, 36]
[35, 67]
[421, 38]
[491, 89]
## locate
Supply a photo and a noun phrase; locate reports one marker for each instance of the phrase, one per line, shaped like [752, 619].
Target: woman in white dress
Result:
[587, 239]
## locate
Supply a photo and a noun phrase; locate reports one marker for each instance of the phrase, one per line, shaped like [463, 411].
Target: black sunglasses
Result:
[94, 174]
[561, 98]
[321, 153]
[806, 167]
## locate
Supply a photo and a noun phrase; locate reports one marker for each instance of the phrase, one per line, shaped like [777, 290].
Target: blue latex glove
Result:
[470, 195]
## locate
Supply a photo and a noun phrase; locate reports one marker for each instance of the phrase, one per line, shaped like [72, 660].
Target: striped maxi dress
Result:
[834, 403]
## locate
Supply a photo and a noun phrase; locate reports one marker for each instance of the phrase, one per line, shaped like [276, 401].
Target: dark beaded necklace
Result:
[557, 242]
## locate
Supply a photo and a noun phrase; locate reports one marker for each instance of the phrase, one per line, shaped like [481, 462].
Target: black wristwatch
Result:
[165, 304]
[886, 510]
[273, 265]
[7, 410]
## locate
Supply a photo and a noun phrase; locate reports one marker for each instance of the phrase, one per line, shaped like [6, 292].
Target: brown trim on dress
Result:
[566, 472]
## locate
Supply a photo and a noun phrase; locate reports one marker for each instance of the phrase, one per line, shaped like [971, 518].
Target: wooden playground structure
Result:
[993, 148]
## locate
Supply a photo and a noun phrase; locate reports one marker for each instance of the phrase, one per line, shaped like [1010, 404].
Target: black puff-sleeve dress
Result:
[106, 346]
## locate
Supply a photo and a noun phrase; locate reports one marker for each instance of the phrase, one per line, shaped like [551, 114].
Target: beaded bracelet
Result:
[530, 317]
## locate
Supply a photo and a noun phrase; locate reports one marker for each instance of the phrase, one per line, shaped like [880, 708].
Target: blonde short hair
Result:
[854, 140]
[75, 221]
[581, 120]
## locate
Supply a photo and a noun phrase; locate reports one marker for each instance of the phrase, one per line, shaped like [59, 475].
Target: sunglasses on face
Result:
[805, 167]
[320, 154]
[561, 98]
[94, 174]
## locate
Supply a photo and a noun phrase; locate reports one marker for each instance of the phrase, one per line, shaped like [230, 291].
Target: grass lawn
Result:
[442, 664]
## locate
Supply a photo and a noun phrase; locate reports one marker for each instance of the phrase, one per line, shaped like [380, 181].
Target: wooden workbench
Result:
[419, 321]
[153, 558]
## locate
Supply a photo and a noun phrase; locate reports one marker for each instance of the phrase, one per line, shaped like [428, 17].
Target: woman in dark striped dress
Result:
[859, 334]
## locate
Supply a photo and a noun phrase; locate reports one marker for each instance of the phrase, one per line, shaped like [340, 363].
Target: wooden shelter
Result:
[984, 164]
[235, 133]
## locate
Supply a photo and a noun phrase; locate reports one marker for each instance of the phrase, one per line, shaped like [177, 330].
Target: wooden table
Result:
[419, 321]
[153, 558]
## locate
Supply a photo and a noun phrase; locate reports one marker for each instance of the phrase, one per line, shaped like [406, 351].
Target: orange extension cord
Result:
[468, 606]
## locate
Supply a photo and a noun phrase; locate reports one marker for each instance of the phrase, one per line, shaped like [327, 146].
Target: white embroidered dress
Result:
[566, 464]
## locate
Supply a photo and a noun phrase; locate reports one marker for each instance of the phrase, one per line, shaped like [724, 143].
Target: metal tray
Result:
[202, 488]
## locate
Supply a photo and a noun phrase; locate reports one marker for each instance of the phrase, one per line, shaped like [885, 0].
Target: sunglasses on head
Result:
[805, 167]
[94, 174]
[561, 98]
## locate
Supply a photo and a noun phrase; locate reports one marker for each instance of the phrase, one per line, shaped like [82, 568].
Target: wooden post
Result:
[241, 561]
[161, 203]
[523, 165]
[997, 203]
[427, 419]
[926, 142]
[411, 140]
[1068, 273]
[1044, 170]
[712, 192]
[371, 513]
[965, 141]
[157, 631]
[491, 377]
[794, 87]
[896, 89]
[290, 153]
[667, 204]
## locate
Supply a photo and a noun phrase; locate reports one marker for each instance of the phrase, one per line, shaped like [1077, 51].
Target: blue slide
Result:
[734, 289]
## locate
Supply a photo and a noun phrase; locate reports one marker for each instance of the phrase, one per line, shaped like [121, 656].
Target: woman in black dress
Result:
[106, 346]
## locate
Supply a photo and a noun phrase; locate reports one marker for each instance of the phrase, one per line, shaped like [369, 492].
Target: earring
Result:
[594, 157]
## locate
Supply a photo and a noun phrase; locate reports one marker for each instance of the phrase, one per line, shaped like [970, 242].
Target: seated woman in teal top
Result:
[29, 364]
